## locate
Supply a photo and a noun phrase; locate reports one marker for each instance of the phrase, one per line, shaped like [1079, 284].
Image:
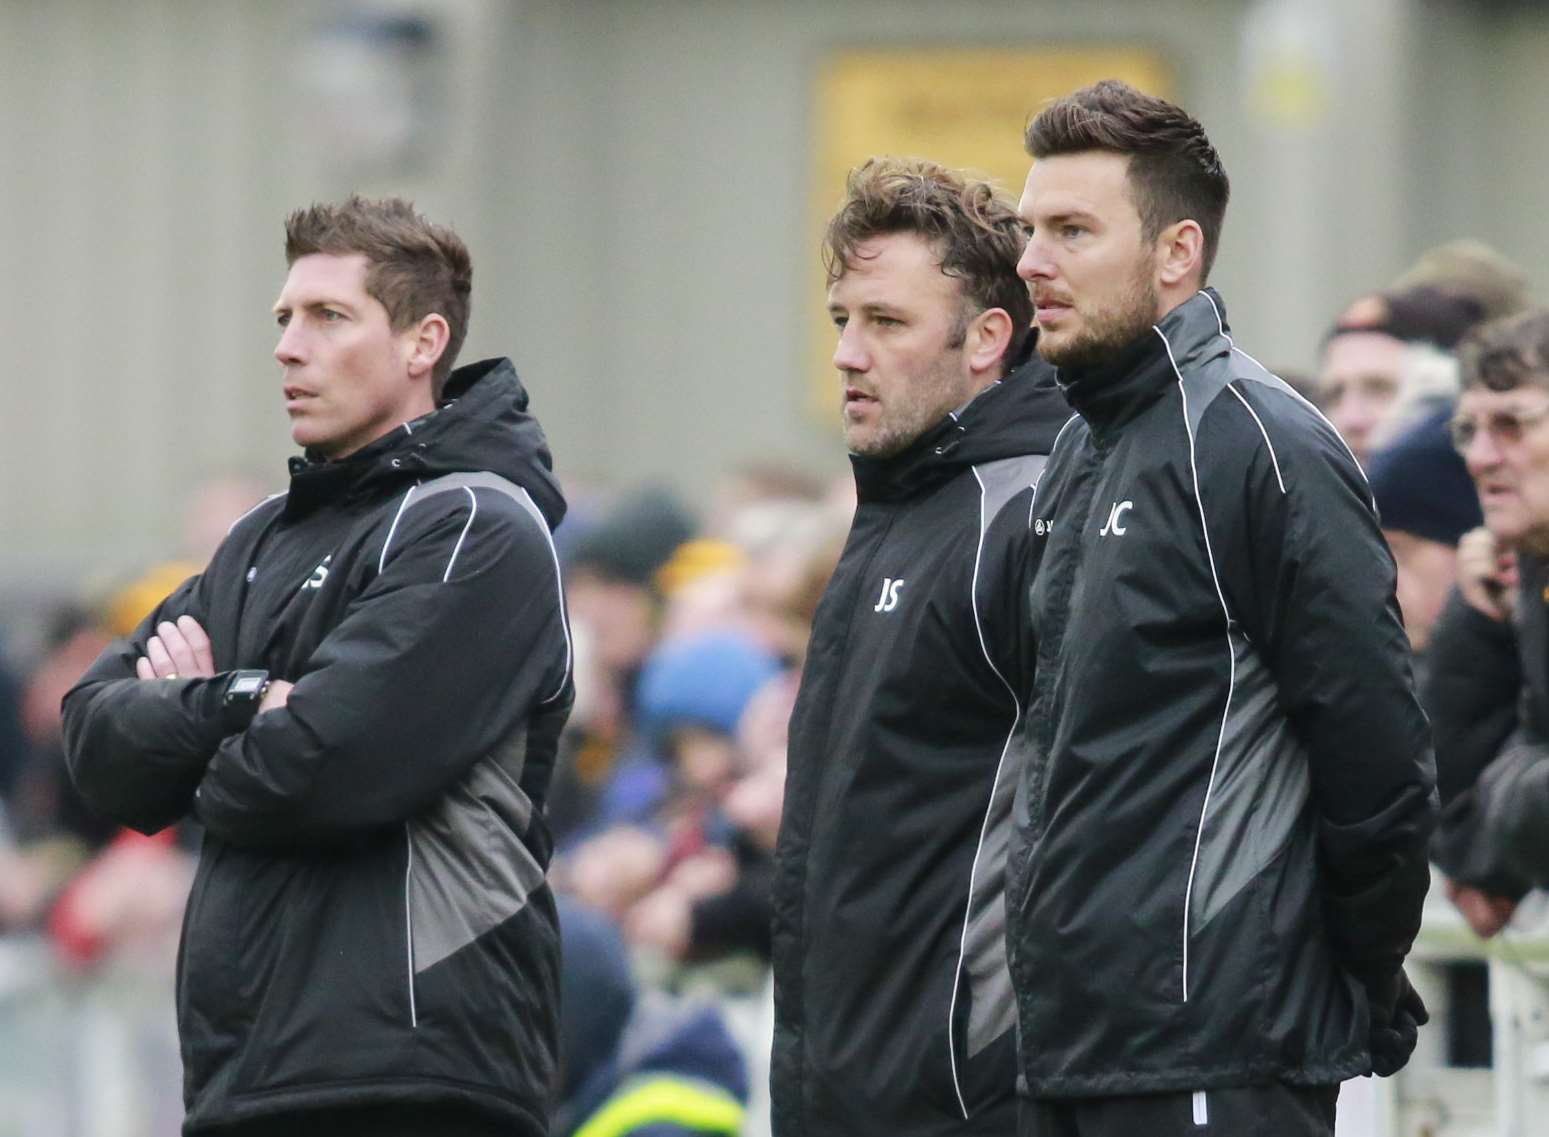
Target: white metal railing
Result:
[95, 1055]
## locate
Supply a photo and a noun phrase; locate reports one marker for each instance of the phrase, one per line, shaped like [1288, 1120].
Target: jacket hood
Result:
[1111, 393]
[481, 424]
[1021, 414]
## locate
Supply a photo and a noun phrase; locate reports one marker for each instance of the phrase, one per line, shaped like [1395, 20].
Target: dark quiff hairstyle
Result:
[974, 230]
[413, 267]
[1506, 354]
[1175, 173]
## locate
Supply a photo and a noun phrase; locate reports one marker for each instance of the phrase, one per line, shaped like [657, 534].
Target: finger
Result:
[177, 647]
[161, 662]
[276, 696]
[199, 643]
[143, 668]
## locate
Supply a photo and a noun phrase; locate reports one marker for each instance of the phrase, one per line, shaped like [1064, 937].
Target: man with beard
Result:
[1219, 850]
[893, 1005]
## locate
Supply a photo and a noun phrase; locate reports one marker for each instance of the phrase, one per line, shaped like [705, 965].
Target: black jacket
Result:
[1220, 842]
[893, 1009]
[370, 922]
[1492, 740]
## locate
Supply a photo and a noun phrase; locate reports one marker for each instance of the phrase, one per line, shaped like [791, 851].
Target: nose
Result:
[289, 350]
[1355, 418]
[1034, 264]
[1482, 454]
[849, 352]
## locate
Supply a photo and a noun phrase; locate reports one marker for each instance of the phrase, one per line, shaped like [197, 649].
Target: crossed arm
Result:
[181, 650]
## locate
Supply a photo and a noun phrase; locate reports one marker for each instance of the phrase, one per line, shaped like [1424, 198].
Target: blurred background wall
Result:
[634, 179]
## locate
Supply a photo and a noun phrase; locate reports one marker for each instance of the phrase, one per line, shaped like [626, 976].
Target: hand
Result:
[276, 696]
[614, 869]
[1486, 914]
[707, 873]
[1397, 1014]
[1487, 574]
[663, 920]
[177, 651]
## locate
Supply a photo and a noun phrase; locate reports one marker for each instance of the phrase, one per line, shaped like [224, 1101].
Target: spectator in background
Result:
[894, 1013]
[1425, 502]
[1393, 349]
[634, 1064]
[1471, 269]
[611, 564]
[662, 826]
[1495, 840]
[14, 747]
[1386, 351]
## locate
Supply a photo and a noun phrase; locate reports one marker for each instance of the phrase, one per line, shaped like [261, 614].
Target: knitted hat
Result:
[1422, 486]
[597, 991]
[1414, 315]
[705, 679]
[634, 539]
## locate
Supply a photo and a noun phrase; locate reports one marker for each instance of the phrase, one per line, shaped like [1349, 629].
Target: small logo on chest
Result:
[1116, 524]
[319, 574]
[889, 598]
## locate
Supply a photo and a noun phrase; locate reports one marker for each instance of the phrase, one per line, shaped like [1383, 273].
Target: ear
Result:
[1181, 251]
[989, 336]
[426, 343]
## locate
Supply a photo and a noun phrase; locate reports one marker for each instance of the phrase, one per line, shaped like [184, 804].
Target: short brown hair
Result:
[413, 267]
[1174, 171]
[975, 231]
[1506, 354]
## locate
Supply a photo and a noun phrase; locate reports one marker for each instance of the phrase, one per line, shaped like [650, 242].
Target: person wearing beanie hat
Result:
[633, 1063]
[703, 680]
[1382, 353]
[1426, 502]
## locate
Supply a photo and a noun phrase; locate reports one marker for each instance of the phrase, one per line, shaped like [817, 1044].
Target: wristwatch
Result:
[244, 691]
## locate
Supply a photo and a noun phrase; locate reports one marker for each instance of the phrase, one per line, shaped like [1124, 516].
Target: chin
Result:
[317, 441]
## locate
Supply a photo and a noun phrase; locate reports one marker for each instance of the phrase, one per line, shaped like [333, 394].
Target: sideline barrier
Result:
[1435, 1095]
[95, 1055]
[85, 1055]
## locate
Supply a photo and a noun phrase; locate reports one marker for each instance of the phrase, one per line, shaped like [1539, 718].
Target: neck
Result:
[1170, 297]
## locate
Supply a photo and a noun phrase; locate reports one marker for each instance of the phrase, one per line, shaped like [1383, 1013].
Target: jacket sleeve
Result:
[1513, 808]
[1311, 580]
[1473, 676]
[137, 748]
[1492, 835]
[439, 660]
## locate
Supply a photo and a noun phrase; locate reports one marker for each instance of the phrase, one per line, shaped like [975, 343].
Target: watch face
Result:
[246, 686]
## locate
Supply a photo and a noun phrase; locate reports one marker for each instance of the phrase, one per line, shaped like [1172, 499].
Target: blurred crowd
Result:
[689, 630]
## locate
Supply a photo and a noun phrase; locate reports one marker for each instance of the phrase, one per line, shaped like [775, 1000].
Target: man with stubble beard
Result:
[1219, 848]
[893, 1006]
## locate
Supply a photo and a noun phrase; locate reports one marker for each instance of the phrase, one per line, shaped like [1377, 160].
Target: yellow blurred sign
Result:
[963, 107]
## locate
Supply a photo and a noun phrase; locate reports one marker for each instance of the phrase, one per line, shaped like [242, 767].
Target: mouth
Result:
[857, 400]
[297, 397]
[1047, 308]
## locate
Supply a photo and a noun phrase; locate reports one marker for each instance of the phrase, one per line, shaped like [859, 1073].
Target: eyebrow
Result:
[312, 306]
[1065, 215]
[871, 308]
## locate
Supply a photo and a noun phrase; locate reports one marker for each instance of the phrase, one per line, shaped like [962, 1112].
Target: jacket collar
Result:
[1020, 414]
[315, 480]
[482, 424]
[1112, 393]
